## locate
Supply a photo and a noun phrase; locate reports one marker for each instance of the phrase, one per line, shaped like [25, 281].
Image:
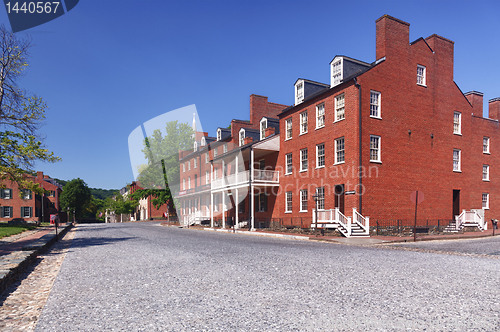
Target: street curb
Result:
[275, 235]
[15, 263]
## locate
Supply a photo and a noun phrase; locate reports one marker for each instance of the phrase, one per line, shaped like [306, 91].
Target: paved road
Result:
[144, 277]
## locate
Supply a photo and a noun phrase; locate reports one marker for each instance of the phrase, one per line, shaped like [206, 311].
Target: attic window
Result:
[299, 92]
[336, 69]
[263, 126]
[195, 147]
[203, 141]
[219, 134]
[242, 136]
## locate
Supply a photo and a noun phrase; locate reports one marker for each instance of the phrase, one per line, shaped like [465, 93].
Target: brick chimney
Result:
[269, 131]
[393, 38]
[476, 100]
[248, 140]
[443, 52]
[494, 108]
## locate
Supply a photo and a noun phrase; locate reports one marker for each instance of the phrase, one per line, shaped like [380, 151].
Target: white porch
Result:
[355, 226]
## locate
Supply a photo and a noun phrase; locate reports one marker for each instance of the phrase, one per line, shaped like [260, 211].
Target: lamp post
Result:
[316, 198]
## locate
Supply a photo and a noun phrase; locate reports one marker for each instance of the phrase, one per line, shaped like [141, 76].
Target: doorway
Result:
[456, 203]
[339, 197]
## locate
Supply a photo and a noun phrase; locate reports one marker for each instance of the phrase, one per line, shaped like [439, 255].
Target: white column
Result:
[212, 209]
[236, 207]
[252, 198]
[223, 209]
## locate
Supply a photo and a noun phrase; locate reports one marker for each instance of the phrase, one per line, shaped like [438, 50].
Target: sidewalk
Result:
[374, 239]
[19, 254]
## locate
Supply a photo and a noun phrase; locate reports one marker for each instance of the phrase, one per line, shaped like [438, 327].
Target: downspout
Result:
[360, 173]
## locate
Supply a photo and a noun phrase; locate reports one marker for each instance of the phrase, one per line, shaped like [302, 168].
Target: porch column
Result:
[223, 209]
[236, 208]
[212, 209]
[252, 198]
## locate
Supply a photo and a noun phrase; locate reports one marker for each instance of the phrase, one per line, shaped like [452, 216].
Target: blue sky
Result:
[108, 66]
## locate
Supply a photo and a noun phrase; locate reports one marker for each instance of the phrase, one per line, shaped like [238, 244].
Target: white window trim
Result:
[323, 199]
[301, 159]
[317, 155]
[487, 179]
[459, 132]
[207, 177]
[299, 84]
[302, 200]
[379, 154]
[424, 76]
[288, 193]
[336, 110]
[379, 100]
[189, 182]
[286, 163]
[335, 142]
[195, 146]
[219, 134]
[263, 129]
[302, 115]
[203, 141]
[189, 165]
[207, 157]
[241, 138]
[195, 163]
[224, 148]
[332, 65]
[183, 167]
[487, 146]
[487, 207]
[459, 170]
[286, 128]
[324, 115]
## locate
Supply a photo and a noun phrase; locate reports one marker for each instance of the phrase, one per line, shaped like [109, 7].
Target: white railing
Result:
[333, 216]
[260, 176]
[471, 218]
[363, 222]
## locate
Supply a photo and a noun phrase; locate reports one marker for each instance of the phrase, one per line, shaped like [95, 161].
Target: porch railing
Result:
[260, 176]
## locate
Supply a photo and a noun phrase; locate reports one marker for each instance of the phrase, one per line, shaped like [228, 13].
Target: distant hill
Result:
[96, 192]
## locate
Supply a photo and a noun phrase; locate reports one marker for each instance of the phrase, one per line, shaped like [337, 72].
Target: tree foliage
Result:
[21, 115]
[161, 174]
[76, 196]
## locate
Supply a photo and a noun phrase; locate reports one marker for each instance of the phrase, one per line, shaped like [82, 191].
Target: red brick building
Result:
[28, 206]
[378, 132]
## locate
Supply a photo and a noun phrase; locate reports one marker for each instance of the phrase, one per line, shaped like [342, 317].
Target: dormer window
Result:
[263, 127]
[299, 92]
[203, 141]
[219, 134]
[242, 136]
[336, 71]
[195, 146]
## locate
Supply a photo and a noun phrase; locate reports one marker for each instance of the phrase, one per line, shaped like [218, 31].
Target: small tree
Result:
[21, 115]
[75, 195]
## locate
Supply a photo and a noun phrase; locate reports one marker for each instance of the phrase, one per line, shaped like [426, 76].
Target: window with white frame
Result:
[486, 172]
[224, 148]
[320, 115]
[189, 182]
[421, 75]
[242, 136]
[288, 128]
[262, 202]
[183, 167]
[289, 164]
[320, 193]
[303, 160]
[288, 207]
[303, 122]
[339, 107]
[457, 123]
[26, 211]
[456, 160]
[486, 145]
[184, 184]
[195, 163]
[207, 157]
[216, 202]
[207, 177]
[299, 92]
[263, 127]
[320, 155]
[195, 146]
[26, 193]
[6, 193]
[486, 201]
[339, 150]
[7, 212]
[189, 165]
[336, 72]
[203, 141]
[219, 134]
[215, 153]
[375, 104]
[303, 200]
[215, 173]
[375, 148]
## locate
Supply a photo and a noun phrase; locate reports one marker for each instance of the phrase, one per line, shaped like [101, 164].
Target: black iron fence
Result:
[406, 226]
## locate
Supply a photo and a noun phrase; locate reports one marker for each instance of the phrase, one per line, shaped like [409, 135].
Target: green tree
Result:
[161, 173]
[21, 115]
[75, 196]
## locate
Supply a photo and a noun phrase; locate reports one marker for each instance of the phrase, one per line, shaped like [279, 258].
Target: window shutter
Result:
[265, 202]
[31, 195]
[2, 194]
[22, 215]
[11, 211]
[31, 211]
[1, 212]
[10, 193]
